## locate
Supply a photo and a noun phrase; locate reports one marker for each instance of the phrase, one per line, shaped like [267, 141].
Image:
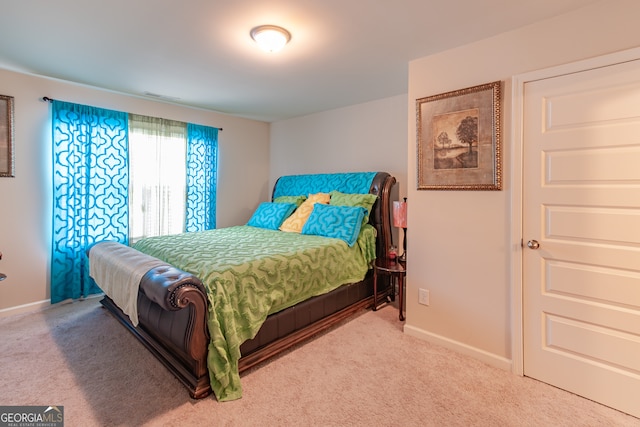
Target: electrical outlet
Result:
[423, 296]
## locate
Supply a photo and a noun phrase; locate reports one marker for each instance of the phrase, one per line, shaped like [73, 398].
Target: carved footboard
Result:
[172, 313]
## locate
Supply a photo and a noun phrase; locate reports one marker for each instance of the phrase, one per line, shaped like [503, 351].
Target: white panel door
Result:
[581, 208]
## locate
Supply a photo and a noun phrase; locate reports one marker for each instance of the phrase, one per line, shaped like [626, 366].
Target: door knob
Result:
[533, 244]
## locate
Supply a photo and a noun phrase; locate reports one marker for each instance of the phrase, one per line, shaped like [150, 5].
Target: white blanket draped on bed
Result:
[120, 280]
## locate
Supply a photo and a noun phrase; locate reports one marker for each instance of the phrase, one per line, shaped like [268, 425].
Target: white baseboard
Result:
[36, 306]
[476, 353]
[25, 308]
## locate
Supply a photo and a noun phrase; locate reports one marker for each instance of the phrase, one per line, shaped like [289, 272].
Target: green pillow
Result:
[297, 200]
[365, 201]
[271, 215]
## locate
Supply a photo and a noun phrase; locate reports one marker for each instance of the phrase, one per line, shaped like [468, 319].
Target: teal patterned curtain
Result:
[202, 162]
[90, 191]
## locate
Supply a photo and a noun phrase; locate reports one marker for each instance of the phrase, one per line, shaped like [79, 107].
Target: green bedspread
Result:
[252, 272]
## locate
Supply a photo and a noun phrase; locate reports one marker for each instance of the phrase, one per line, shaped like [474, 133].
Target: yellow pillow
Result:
[296, 221]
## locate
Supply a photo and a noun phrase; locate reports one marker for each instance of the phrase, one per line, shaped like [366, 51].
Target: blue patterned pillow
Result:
[271, 215]
[363, 200]
[340, 222]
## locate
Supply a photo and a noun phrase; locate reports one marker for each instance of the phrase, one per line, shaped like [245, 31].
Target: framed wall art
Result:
[459, 139]
[6, 136]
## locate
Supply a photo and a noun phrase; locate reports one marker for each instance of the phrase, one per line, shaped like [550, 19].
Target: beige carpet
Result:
[364, 372]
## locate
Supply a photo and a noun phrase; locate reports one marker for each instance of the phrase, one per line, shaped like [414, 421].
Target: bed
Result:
[207, 326]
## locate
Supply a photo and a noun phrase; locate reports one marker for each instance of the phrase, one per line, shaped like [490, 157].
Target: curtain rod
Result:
[47, 99]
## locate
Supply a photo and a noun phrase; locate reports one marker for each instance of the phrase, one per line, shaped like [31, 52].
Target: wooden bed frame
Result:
[172, 310]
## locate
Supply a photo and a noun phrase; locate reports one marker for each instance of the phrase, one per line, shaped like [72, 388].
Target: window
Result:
[120, 177]
[157, 176]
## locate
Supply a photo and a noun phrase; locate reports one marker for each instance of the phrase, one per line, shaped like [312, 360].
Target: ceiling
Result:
[199, 52]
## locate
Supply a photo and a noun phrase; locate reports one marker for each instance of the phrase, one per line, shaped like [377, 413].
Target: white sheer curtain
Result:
[157, 176]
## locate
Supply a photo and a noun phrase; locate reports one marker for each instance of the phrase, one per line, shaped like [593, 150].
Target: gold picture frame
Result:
[6, 137]
[459, 139]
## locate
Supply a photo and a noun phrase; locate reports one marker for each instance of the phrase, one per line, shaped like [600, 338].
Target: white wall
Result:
[25, 201]
[364, 137]
[459, 242]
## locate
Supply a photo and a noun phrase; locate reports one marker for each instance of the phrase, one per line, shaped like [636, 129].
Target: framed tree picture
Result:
[459, 139]
[6, 136]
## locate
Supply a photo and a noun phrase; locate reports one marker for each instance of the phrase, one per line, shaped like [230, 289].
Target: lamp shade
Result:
[400, 214]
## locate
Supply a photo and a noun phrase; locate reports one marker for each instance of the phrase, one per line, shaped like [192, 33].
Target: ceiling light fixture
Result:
[270, 37]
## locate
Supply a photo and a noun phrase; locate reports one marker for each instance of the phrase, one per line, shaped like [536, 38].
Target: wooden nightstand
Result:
[397, 270]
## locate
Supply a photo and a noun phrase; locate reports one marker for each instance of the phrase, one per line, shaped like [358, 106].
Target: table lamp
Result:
[400, 221]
